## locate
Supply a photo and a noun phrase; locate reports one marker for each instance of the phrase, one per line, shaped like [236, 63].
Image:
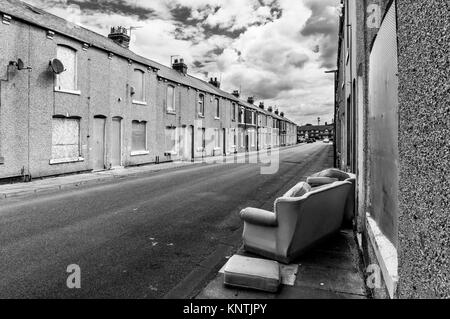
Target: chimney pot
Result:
[120, 36]
[180, 66]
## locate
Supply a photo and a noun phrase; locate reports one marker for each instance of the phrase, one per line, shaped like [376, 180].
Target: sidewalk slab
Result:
[329, 271]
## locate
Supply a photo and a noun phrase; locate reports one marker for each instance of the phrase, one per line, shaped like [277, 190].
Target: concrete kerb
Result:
[205, 271]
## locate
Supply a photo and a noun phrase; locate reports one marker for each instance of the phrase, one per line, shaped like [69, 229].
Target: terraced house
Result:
[73, 100]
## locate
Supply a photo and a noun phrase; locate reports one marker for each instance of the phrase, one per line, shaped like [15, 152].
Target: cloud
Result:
[275, 50]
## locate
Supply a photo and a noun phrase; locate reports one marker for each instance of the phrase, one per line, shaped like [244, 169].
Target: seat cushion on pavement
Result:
[253, 273]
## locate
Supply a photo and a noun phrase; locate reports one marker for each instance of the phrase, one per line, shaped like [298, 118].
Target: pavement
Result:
[332, 270]
[152, 234]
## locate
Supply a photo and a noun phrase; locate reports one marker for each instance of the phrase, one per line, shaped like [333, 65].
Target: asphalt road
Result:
[137, 237]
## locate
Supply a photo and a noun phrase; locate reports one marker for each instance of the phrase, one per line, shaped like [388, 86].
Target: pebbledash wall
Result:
[120, 109]
[392, 117]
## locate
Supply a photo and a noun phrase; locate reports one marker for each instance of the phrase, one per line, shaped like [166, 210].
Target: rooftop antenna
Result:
[134, 28]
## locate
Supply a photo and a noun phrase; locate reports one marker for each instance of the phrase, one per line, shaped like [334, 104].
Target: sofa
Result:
[302, 217]
[331, 175]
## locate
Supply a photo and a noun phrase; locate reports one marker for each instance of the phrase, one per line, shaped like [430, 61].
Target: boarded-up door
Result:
[98, 147]
[383, 123]
[116, 142]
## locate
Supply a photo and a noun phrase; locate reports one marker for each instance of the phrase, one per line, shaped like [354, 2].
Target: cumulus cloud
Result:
[275, 50]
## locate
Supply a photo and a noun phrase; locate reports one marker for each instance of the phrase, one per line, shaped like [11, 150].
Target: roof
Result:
[24, 11]
[43, 19]
[316, 127]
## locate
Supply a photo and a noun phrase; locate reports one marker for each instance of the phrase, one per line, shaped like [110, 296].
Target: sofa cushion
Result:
[298, 190]
[317, 181]
[332, 173]
[254, 273]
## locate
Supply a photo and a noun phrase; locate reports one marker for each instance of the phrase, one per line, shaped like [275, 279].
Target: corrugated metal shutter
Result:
[383, 126]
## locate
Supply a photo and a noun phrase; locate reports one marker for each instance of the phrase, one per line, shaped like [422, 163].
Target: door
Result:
[224, 132]
[191, 135]
[116, 142]
[98, 147]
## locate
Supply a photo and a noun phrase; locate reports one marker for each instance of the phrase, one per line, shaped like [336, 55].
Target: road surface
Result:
[136, 237]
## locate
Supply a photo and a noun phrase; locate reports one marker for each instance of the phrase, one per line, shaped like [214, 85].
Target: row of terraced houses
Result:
[72, 100]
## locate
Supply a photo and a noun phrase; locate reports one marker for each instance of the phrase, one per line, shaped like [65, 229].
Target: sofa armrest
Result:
[316, 181]
[258, 216]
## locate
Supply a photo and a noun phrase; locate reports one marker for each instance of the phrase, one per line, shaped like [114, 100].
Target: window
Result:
[65, 140]
[139, 86]
[253, 118]
[171, 140]
[241, 115]
[217, 108]
[67, 80]
[170, 99]
[201, 105]
[233, 112]
[138, 136]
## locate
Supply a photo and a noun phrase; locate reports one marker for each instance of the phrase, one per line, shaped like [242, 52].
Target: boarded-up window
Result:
[170, 102]
[65, 138]
[233, 112]
[171, 140]
[139, 85]
[67, 80]
[139, 136]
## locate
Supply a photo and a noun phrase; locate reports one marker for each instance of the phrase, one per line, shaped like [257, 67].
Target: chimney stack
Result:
[214, 82]
[120, 36]
[180, 66]
[270, 109]
[261, 105]
[282, 114]
[251, 100]
[236, 93]
[276, 112]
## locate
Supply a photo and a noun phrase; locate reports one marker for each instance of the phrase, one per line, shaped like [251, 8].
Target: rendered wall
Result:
[424, 146]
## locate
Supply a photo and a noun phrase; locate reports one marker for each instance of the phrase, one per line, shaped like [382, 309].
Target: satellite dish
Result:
[57, 66]
[20, 64]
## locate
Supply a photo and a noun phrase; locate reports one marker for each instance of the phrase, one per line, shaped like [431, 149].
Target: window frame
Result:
[217, 111]
[78, 158]
[173, 109]
[201, 104]
[57, 88]
[144, 97]
[144, 151]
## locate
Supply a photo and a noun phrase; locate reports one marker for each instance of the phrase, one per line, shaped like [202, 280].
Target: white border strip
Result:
[386, 255]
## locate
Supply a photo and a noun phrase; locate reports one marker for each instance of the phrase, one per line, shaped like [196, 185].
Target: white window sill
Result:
[137, 153]
[217, 148]
[66, 160]
[200, 149]
[217, 118]
[200, 115]
[172, 112]
[73, 92]
[139, 102]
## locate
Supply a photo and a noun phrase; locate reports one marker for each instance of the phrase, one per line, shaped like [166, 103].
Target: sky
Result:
[274, 50]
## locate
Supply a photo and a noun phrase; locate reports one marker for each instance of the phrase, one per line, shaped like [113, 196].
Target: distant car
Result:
[310, 140]
[326, 140]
